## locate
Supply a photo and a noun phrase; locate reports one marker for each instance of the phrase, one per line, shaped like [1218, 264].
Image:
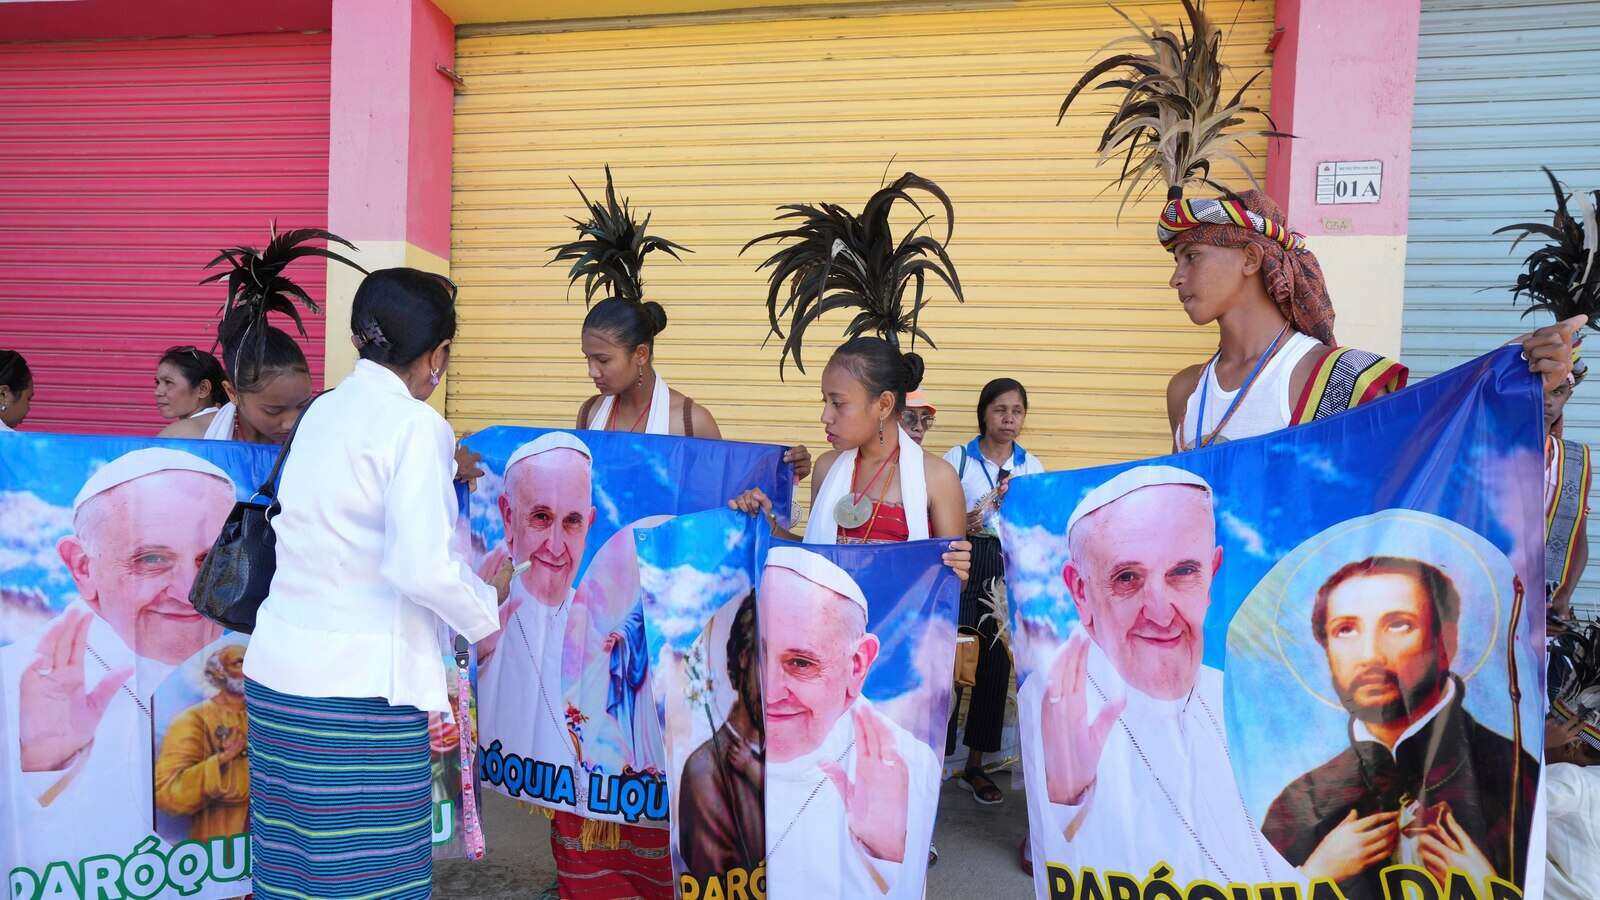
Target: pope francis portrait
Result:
[1129, 757]
[548, 509]
[79, 696]
[850, 794]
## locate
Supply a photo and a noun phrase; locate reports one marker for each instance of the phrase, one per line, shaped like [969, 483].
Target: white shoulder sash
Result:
[821, 527]
[220, 428]
[658, 422]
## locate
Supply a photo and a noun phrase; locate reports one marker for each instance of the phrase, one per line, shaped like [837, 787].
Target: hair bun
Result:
[657, 316]
[912, 369]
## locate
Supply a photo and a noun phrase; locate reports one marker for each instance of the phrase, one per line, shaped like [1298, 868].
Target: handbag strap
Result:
[269, 490]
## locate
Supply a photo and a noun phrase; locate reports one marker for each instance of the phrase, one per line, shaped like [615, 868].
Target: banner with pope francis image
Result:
[566, 719]
[123, 769]
[805, 691]
[123, 765]
[1307, 660]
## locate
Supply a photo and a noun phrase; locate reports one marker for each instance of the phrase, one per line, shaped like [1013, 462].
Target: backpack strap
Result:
[688, 417]
[269, 490]
[961, 470]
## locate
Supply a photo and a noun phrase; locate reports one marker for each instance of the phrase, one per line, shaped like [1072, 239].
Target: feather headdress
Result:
[834, 259]
[257, 285]
[1562, 277]
[610, 250]
[1173, 123]
[256, 279]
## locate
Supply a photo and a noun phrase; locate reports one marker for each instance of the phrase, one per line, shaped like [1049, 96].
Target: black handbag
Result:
[237, 573]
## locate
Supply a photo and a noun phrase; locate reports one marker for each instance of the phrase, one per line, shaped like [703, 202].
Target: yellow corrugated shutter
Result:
[711, 124]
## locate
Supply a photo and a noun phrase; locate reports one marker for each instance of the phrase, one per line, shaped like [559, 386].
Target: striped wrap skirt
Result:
[340, 798]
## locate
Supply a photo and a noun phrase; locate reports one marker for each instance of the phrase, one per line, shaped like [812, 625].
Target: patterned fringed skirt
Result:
[610, 861]
[340, 798]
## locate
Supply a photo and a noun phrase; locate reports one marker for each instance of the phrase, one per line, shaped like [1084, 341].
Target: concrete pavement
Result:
[977, 847]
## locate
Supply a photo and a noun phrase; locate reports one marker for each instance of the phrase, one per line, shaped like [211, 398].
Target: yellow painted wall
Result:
[711, 125]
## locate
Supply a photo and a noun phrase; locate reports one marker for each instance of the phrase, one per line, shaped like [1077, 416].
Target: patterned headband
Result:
[1181, 215]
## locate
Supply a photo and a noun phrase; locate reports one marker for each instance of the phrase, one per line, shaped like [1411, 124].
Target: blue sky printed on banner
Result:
[692, 566]
[40, 474]
[638, 476]
[1462, 447]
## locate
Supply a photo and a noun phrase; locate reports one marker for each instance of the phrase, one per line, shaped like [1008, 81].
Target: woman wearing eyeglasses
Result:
[189, 384]
[984, 464]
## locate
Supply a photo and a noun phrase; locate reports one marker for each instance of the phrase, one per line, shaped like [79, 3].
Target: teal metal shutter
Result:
[1503, 87]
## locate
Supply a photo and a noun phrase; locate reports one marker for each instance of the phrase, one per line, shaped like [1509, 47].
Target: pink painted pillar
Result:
[389, 148]
[1344, 80]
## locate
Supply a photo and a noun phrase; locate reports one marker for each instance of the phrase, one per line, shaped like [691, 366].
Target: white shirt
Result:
[1127, 823]
[981, 475]
[1265, 409]
[100, 802]
[365, 568]
[4, 428]
[819, 858]
[1572, 849]
[521, 698]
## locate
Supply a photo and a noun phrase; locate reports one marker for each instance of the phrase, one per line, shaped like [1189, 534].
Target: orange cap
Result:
[918, 400]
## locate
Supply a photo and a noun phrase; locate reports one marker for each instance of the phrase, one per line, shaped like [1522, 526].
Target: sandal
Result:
[983, 788]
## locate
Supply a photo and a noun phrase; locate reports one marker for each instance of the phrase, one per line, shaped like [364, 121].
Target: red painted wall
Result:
[124, 166]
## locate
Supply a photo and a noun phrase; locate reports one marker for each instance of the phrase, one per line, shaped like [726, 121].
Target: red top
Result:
[887, 525]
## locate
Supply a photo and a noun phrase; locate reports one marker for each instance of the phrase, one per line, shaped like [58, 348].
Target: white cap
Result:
[1131, 480]
[544, 443]
[139, 463]
[820, 571]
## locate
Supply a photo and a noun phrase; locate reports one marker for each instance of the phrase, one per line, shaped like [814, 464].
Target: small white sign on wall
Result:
[1350, 182]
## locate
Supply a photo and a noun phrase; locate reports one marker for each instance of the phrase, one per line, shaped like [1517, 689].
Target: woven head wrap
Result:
[1292, 275]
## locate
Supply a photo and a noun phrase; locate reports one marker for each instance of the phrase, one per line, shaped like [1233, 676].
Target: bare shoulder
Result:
[1178, 390]
[186, 428]
[1304, 368]
[938, 470]
[819, 472]
[585, 408]
[705, 424]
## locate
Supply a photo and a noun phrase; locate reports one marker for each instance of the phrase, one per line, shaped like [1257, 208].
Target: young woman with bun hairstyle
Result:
[619, 333]
[268, 377]
[876, 484]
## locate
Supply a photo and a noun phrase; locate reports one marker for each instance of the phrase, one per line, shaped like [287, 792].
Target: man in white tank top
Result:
[1276, 363]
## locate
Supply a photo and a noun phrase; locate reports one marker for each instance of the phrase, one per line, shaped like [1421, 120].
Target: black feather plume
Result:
[257, 284]
[610, 250]
[834, 259]
[1562, 277]
[1173, 123]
